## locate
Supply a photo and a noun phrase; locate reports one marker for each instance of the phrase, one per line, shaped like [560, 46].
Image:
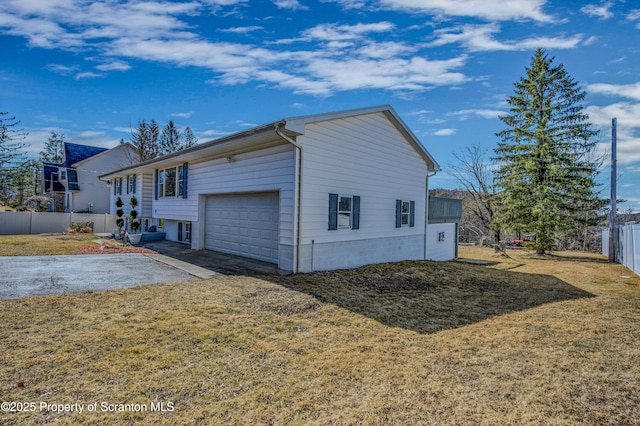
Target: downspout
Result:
[426, 211]
[296, 249]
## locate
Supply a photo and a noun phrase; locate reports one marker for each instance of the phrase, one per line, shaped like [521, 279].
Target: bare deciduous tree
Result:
[473, 171]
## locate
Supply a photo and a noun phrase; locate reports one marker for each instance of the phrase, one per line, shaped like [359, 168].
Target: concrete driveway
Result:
[22, 276]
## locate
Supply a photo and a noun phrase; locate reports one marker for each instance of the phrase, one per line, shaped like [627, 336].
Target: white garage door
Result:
[245, 225]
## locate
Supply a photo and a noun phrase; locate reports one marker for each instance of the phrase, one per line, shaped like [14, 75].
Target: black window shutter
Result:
[333, 212]
[185, 178]
[120, 186]
[412, 213]
[355, 219]
[398, 213]
[179, 231]
[155, 186]
[135, 182]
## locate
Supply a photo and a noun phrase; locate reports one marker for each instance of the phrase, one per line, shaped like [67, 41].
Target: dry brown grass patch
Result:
[49, 244]
[239, 350]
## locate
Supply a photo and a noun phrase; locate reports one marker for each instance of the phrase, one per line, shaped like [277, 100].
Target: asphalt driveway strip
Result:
[24, 276]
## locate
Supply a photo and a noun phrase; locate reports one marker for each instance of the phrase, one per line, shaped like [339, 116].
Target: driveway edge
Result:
[194, 270]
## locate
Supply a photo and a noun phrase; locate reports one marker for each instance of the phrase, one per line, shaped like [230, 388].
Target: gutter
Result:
[278, 128]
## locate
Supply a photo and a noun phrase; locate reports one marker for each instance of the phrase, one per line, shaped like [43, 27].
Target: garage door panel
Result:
[243, 224]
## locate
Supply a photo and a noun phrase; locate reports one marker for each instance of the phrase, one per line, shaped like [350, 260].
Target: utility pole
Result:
[613, 229]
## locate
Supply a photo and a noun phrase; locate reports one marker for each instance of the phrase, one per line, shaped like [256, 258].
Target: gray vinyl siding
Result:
[364, 156]
[145, 183]
[265, 170]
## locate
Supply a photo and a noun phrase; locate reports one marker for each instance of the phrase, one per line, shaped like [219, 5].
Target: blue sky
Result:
[93, 69]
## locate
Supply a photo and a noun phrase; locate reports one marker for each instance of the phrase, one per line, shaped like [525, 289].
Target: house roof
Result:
[122, 146]
[74, 153]
[265, 135]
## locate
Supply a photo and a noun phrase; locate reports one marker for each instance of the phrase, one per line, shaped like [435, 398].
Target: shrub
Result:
[81, 228]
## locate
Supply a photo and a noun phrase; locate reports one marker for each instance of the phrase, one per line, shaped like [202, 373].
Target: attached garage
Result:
[244, 224]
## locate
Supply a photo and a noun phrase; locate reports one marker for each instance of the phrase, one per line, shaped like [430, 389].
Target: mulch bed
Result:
[113, 250]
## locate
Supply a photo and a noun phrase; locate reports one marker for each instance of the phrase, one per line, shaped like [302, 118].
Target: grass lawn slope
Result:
[525, 340]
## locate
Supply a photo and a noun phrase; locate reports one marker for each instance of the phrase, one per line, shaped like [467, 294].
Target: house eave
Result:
[257, 137]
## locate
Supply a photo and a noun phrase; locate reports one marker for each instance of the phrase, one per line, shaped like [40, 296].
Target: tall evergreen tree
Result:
[10, 137]
[170, 139]
[546, 174]
[145, 140]
[188, 138]
[25, 179]
[53, 149]
[10, 153]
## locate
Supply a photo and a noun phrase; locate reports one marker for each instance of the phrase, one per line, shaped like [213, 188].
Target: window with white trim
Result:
[405, 213]
[344, 212]
[184, 232]
[117, 188]
[131, 184]
[345, 205]
[172, 182]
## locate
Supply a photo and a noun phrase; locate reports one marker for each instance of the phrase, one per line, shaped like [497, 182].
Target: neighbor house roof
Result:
[74, 153]
[264, 134]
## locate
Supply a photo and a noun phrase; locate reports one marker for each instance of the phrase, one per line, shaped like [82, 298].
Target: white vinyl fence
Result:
[15, 223]
[628, 250]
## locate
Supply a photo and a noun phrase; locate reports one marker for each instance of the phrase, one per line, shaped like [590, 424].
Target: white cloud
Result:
[633, 15]
[62, 69]
[225, 2]
[88, 74]
[630, 91]
[89, 134]
[628, 119]
[598, 11]
[289, 4]
[495, 10]
[187, 114]
[331, 57]
[384, 50]
[332, 32]
[114, 66]
[445, 132]
[242, 30]
[484, 113]
[477, 38]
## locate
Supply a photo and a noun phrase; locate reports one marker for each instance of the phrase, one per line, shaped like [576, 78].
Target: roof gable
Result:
[297, 125]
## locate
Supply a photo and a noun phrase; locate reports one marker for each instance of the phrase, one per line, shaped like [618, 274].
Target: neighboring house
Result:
[74, 184]
[318, 192]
